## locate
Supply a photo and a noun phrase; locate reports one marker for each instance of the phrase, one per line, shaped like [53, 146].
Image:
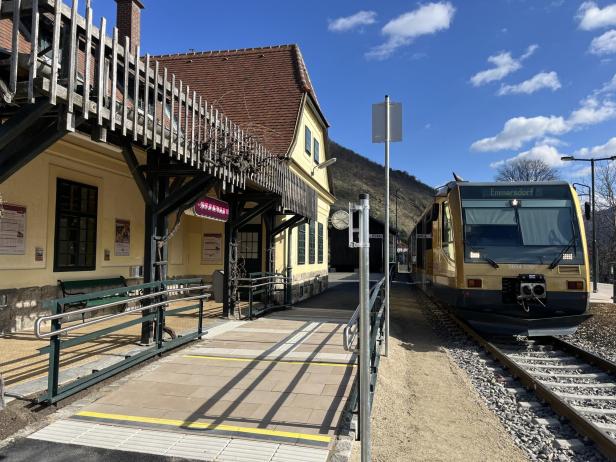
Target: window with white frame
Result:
[317, 153]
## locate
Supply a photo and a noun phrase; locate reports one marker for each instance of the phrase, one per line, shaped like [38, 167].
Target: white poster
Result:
[13, 230]
[211, 249]
[122, 238]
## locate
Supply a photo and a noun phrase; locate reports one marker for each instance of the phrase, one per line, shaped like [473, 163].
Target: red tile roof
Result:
[261, 89]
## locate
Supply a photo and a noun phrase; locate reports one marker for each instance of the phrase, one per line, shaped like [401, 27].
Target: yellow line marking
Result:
[205, 426]
[250, 360]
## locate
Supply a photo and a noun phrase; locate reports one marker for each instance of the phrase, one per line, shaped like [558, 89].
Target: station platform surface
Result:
[273, 389]
[604, 294]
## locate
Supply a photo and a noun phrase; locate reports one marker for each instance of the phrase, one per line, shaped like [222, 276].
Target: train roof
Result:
[444, 190]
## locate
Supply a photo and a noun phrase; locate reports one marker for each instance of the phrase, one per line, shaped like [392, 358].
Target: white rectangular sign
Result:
[378, 122]
[13, 230]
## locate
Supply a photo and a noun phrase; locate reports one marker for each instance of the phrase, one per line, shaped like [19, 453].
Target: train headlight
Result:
[575, 285]
[538, 290]
[475, 254]
[567, 256]
[526, 289]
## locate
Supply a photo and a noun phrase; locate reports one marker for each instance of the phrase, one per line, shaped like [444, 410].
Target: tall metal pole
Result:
[595, 262]
[386, 238]
[364, 327]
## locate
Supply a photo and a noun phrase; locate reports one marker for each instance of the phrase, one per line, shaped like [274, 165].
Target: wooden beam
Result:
[133, 166]
[188, 192]
[34, 141]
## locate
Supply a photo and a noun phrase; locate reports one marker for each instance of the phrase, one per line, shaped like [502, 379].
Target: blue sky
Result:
[547, 91]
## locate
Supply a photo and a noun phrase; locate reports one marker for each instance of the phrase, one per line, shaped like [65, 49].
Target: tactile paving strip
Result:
[175, 444]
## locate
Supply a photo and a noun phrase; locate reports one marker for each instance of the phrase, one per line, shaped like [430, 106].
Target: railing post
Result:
[200, 323]
[54, 356]
[250, 301]
[160, 320]
[364, 327]
[613, 282]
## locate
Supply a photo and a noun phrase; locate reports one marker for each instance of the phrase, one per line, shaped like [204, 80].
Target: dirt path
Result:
[425, 408]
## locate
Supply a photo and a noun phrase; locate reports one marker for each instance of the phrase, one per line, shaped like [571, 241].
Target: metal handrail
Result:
[352, 328]
[41, 319]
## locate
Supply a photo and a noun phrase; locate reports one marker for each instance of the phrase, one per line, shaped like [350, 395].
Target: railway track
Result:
[576, 383]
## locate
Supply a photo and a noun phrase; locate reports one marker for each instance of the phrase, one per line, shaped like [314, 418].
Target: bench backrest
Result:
[82, 284]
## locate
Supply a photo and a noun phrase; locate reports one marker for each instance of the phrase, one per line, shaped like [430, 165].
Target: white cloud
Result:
[520, 130]
[504, 64]
[361, 18]
[425, 20]
[535, 83]
[603, 150]
[592, 16]
[591, 112]
[605, 44]
[608, 87]
[549, 154]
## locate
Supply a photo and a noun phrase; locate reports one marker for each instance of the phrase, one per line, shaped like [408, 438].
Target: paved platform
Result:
[604, 294]
[273, 389]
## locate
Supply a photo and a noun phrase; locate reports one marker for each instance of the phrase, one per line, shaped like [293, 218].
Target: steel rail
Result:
[51, 317]
[585, 427]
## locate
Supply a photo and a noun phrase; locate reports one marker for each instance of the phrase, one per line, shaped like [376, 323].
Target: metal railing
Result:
[152, 300]
[351, 330]
[267, 285]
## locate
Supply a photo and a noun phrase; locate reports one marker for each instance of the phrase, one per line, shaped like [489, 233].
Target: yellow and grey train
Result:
[508, 258]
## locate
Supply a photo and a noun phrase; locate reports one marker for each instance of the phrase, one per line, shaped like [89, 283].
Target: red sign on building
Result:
[214, 209]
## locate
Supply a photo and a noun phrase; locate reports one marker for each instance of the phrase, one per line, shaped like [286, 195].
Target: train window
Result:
[447, 231]
[428, 231]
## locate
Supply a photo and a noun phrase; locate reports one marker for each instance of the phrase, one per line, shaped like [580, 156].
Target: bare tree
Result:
[526, 170]
[606, 218]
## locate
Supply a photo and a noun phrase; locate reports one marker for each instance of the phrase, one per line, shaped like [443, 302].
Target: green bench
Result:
[81, 286]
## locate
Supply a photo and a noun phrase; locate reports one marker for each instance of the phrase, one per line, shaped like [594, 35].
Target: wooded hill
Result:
[354, 174]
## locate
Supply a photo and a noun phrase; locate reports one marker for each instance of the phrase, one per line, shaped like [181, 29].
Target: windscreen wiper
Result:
[492, 263]
[559, 257]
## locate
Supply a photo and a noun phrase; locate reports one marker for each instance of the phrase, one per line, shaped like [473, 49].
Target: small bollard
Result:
[613, 271]
[2, 403]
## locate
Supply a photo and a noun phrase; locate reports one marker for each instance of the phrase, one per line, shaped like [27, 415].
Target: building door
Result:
[249, 248]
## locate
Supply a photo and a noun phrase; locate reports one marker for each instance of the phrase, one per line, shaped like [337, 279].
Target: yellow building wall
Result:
[79, 159]
[303, 164]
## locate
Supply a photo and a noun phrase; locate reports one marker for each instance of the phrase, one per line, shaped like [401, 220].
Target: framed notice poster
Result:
[211, 249]
[13, 230]
[122, 238]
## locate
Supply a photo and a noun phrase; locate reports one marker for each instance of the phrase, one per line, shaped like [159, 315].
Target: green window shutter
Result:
[312, 242]
[321, 241]
[301, 244]
[308, 141]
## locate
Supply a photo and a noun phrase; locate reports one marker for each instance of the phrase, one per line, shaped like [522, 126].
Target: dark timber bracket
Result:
[28, 146]
[290, 223]
[140, 180]
[186, 193]
[254, 212]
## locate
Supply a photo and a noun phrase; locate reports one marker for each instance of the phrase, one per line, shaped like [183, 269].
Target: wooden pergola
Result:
[63, 74]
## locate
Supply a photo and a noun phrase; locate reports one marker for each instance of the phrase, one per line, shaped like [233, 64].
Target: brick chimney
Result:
[128, 22]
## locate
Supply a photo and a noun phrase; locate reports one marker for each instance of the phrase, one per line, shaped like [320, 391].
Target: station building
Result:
[90, 197]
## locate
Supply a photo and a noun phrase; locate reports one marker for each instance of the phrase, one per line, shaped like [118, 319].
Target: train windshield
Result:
[531, 224]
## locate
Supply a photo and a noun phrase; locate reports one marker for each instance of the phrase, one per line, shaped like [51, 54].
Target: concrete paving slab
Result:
[270, 389]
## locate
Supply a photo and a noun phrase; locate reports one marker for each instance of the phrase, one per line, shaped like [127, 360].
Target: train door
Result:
[445, 258]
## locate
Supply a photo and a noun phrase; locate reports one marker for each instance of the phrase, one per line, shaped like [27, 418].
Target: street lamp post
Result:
[595, 260]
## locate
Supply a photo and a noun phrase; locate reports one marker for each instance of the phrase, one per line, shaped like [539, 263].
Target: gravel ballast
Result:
[534, 427]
